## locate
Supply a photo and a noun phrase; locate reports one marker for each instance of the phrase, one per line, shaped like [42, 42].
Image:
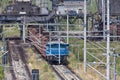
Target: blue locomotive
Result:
[57, 50]
[53, 50]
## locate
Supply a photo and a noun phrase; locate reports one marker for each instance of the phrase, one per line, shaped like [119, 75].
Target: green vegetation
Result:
[3, 4]
[92, 7]
[35, 62]
[11, 31]
[1, 67]
[1, 72]
[76, 59]
[48, 3]
[76, 56]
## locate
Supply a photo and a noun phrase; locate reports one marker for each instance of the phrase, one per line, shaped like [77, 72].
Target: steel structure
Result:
[68, 34]
[26, 19]
[85, 34]
[106, 50]
[108, 40]
[86, 52]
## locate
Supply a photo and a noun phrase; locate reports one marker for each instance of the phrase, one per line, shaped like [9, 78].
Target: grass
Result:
[12, 31]
[3, 4]
[1, 73]
[76, 62]
[92, 7]
[1, 67]
[35, 62]
[49, 5]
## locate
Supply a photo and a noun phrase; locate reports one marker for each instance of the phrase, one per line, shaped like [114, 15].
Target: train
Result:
[53, 50]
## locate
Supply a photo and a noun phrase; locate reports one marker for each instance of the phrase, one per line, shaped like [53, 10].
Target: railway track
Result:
[20, 69]
[62, 71]
[65, 73]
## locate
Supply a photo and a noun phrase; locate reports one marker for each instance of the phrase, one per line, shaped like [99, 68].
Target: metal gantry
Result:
[106, 49]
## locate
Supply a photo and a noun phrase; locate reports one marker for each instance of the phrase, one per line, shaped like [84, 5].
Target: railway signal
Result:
[4, 59]
[35, 74]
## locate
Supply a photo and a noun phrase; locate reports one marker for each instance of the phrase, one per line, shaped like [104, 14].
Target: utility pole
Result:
[23, 36]
[67, 28]
[108, 40]
[59, 49]
[115, 55]
[50, 40]
[58, 29]
[85, 39]
[103, 17]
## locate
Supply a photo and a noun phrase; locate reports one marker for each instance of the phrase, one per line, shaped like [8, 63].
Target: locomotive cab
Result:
[54, 50]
